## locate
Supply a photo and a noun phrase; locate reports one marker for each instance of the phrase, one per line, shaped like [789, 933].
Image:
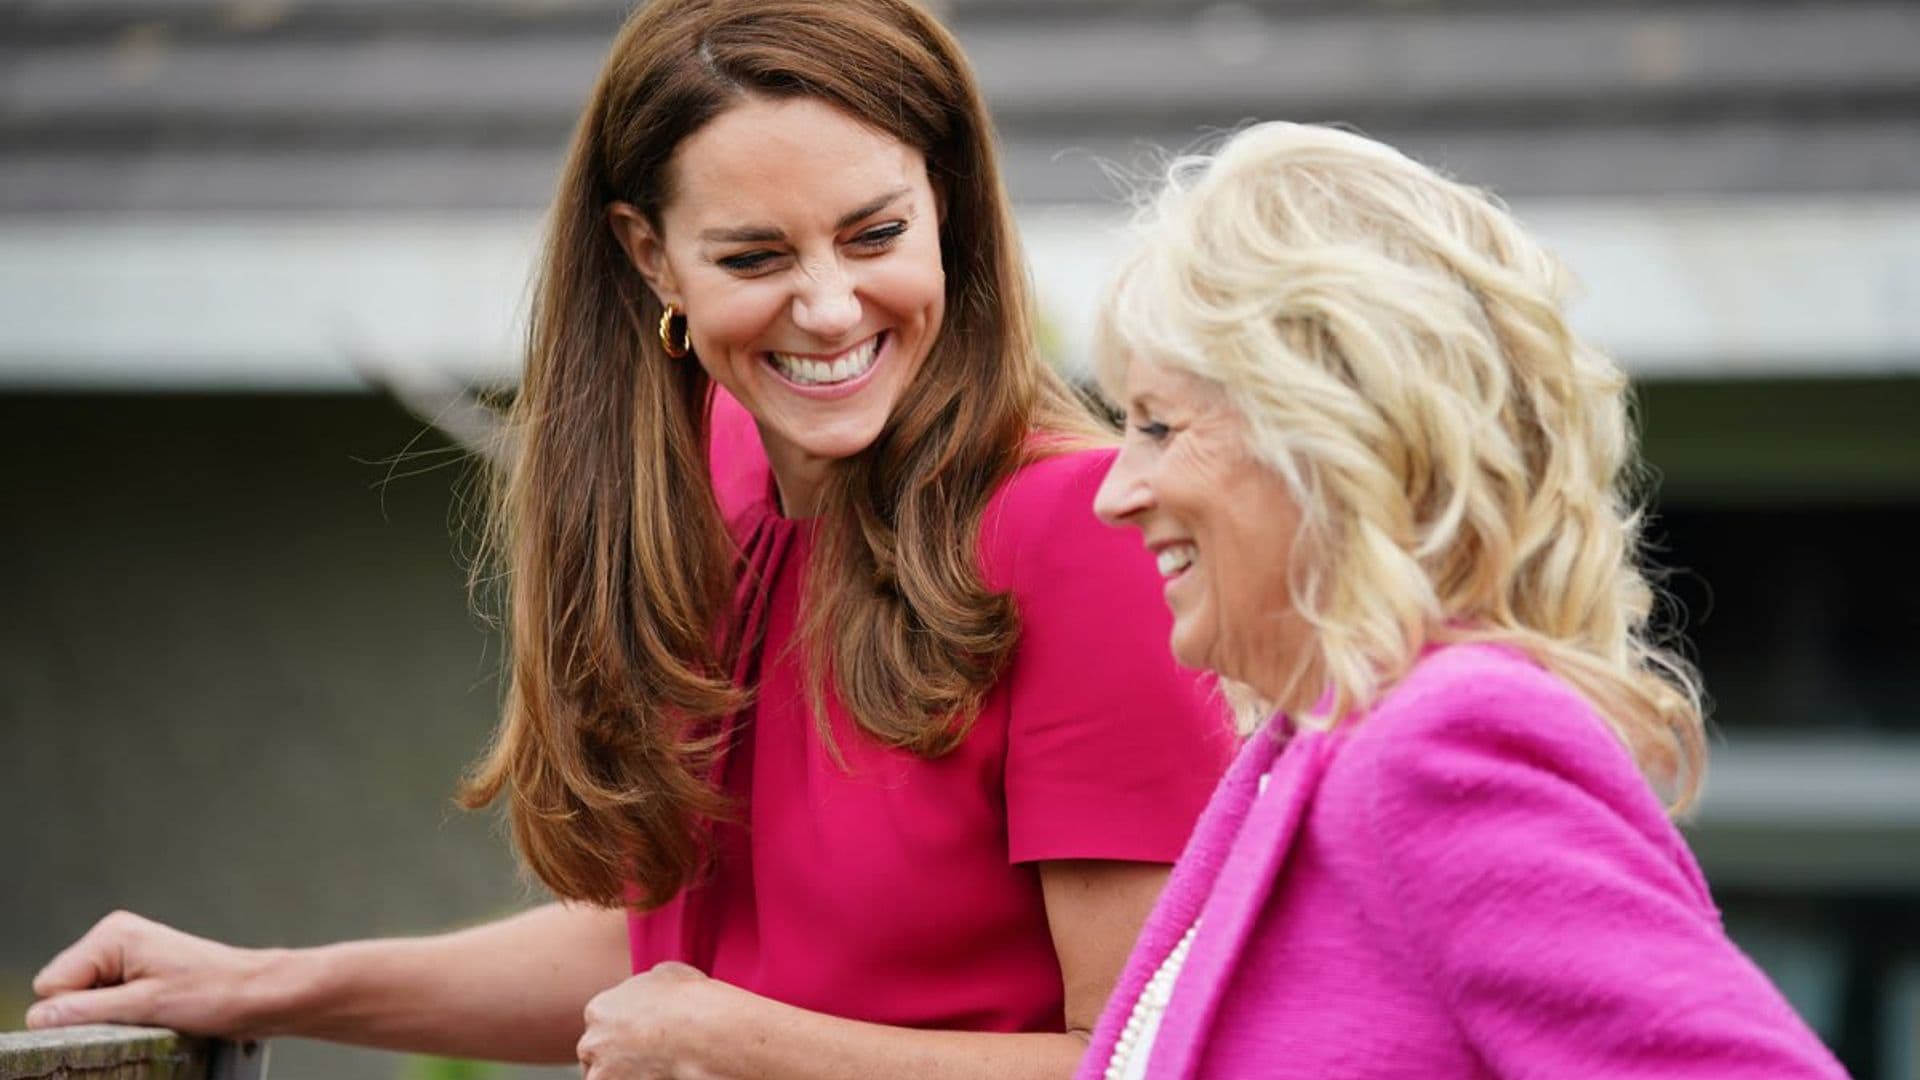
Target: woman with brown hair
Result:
[806, 599]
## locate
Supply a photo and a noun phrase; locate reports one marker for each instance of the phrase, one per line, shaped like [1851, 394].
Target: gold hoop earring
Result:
[677, 349]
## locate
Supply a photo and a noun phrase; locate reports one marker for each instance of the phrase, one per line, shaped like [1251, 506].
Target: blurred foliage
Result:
[427, 1067]
[16, 994]
[1784, 440]
[1052, 342]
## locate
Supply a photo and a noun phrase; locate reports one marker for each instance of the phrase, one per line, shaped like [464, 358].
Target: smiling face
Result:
[1220, 524]
[804, 247]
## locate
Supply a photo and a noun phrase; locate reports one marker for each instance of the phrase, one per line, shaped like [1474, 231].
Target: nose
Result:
[826, 305]
[1124, 493]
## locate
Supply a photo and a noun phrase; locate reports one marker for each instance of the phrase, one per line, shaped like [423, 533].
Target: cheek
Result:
[1249, 529]
[733, 315]
[726, 312]
[911, 284]
[1188, 482]
[1264, 528]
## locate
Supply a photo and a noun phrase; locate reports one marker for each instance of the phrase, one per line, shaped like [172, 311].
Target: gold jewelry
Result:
[675, 348]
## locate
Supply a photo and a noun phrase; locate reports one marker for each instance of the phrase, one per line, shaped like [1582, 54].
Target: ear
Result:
[644, 249]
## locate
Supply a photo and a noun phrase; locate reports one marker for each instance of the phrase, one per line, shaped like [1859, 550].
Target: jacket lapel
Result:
[1240, 890]
[1187, 889]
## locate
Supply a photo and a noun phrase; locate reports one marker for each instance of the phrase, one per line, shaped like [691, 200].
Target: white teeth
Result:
[851, 365]
[1174, 559]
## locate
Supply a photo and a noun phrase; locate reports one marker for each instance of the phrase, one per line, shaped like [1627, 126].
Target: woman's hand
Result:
[674, 1023]
[662, 1023]
[130, 970]
[510, 990]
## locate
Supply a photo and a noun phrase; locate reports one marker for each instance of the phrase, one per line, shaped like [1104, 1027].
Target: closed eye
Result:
[748, 261]
[1153, 430]
[874, 240]
[881, 237]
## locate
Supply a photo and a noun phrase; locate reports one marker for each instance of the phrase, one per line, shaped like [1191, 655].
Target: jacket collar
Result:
[1240, 868]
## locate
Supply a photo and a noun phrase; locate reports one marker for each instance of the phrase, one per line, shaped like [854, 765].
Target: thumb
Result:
[127, 1004]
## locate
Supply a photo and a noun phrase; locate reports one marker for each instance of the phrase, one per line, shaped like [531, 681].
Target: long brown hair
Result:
[619, 567]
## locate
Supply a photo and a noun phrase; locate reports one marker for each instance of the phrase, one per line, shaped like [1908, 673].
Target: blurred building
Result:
[238, 675]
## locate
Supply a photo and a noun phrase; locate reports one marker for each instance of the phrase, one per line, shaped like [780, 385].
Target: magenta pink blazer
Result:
[1472, 881]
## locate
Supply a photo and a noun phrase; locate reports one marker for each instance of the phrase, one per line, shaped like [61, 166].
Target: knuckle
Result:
[120, 921]
[672, 971]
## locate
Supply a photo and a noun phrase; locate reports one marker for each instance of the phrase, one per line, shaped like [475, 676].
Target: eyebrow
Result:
[767, 234]
[1146, 401]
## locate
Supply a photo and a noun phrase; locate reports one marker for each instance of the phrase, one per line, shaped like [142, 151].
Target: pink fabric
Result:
[901, 890]
[1471, 881]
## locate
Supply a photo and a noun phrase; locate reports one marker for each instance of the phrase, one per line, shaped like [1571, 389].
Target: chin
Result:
[840, 443]
[1189, 655]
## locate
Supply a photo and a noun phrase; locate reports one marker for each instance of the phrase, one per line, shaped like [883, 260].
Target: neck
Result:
[798, 477]
[1275, 674]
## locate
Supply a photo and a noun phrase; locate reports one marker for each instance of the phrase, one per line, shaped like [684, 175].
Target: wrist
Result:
[277, 990]
[730, 1035]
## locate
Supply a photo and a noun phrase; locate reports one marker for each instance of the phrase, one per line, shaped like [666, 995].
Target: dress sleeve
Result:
[1532, 875]
[1112, 751]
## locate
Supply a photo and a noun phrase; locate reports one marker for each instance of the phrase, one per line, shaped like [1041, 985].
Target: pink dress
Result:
[901, 890]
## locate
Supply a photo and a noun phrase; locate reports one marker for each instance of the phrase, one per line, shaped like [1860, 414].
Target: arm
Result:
[672, 1020]
[511, 990]
[1103, 780]
[1531, 877]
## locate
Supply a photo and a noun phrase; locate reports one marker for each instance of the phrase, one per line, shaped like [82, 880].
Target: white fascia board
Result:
[1830, 780]
[283, 304]
[1702, 289]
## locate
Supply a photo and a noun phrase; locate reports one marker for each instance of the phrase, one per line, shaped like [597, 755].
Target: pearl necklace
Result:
[1130, 1050]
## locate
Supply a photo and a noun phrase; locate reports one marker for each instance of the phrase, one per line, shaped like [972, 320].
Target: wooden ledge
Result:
[116, 1052]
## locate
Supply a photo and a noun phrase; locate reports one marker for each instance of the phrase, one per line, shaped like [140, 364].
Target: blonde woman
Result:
[1388, 490]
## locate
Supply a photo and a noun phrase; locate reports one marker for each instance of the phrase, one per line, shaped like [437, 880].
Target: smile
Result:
[1174, 559]
[823, 371]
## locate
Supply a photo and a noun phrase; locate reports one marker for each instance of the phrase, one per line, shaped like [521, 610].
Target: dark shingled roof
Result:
[237, 105]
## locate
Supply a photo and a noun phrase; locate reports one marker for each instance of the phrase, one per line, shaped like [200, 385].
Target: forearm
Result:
[511, 990]
[796, 1044]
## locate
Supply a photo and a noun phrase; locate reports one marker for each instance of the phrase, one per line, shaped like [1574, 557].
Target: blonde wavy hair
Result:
[1465, 466]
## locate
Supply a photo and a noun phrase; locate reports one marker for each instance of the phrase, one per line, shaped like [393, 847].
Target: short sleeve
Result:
[1112, 750]
[1540, 888]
